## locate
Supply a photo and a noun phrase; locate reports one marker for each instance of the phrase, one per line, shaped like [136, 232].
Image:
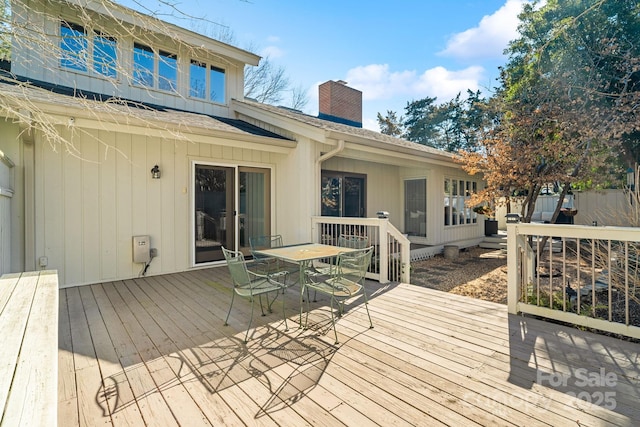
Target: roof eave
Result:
[140, 20]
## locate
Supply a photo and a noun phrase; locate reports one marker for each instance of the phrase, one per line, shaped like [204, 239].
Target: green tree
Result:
[391, 124]
[5, 31]
[568, 98]
[451, 126]
[418, 122]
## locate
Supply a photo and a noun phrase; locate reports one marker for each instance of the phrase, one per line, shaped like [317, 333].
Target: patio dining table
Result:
[304, 254]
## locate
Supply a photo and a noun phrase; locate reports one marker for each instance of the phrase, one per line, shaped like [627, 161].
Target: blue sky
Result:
[393, 51]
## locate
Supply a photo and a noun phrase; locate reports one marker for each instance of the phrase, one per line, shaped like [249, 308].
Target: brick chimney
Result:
[339, 103]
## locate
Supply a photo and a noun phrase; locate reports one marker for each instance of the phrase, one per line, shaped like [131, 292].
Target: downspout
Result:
[331, 153]
[321, 159]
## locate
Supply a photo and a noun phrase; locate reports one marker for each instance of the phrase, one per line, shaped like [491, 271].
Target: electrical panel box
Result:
[141, 249]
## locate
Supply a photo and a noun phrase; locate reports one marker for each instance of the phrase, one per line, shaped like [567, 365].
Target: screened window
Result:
[74, 46]
[104, 55]
[456, 193]
[415, 207]
[143, 59]
[168, 71]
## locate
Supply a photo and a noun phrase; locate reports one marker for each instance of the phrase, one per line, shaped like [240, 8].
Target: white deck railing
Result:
[391, 256]
[586, 276]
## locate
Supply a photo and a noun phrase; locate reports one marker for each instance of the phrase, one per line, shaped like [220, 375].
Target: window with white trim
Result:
[85, 51]
[207, 82]
[456, 193]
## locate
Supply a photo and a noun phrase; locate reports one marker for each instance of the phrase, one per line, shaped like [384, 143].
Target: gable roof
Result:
[352, 134]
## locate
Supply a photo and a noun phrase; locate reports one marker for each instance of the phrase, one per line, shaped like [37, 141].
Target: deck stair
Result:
[495, 241]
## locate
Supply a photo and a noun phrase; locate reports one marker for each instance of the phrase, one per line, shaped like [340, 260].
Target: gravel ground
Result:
[476, 272]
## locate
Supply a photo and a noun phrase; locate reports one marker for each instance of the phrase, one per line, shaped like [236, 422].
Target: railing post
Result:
[406, 263]
[513, 287]
[383, 253]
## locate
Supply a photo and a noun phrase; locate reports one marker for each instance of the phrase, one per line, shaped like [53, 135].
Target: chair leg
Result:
[284, 313]
[226, 321]
[261, 306]
[301, 300]
[306, 322]
[333, 321]
[246, 336]
[366, 305]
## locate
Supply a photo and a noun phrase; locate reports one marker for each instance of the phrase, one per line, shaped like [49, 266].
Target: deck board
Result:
[157, 352]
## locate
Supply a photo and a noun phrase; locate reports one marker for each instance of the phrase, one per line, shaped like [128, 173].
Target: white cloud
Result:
[490, 37]
[445, 84]
[377, 82]
[272, 52]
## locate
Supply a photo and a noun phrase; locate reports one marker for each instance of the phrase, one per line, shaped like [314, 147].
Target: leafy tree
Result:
[450, 126]
[418, 122]
[568, 98]
[5, 30]
[391, 124]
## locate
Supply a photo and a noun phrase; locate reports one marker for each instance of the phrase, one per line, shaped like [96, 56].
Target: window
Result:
[104, 55]
[79, 46]
[342, 194]
[216, 79]
[201, 77]
[415, 207]
[456, 193]
[168, 71]
[74, 46]
[143, 59]
[198, 79]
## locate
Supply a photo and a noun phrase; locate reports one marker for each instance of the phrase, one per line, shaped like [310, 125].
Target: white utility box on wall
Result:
[141, 249]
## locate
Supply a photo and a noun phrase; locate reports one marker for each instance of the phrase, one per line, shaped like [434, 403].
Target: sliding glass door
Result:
[231, 203]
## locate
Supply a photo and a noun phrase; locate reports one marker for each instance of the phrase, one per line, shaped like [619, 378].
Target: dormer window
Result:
[145, 64]
[78, 46]
[104, 55]
[207, 82]
[142, 65]
[168, 71]
[74, 46]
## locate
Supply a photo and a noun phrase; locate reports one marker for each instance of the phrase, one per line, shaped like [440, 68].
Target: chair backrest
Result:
[264, 242]
[353, 241]
[354, 265]
[237, 267]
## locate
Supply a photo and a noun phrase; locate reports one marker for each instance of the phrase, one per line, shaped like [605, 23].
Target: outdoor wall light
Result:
[155, 172]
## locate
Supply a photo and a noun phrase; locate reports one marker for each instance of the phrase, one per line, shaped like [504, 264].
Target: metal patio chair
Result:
[269, 265]
[250, 285]
[351, 241]
[344, 281]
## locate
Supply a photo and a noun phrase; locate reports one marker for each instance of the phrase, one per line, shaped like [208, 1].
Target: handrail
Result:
[583, 275]
[392, 248]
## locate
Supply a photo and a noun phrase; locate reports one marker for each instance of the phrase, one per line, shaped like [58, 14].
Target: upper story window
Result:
[79, 46]
[206, 82]
[456, 193]
[147, 65]
[143, 59]
[168, 71]
[74, 46]
[104, 55]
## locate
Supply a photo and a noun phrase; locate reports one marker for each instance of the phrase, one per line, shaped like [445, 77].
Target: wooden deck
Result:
[153, 352]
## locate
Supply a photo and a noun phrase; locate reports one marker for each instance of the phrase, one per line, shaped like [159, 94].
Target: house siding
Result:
[89, 204]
